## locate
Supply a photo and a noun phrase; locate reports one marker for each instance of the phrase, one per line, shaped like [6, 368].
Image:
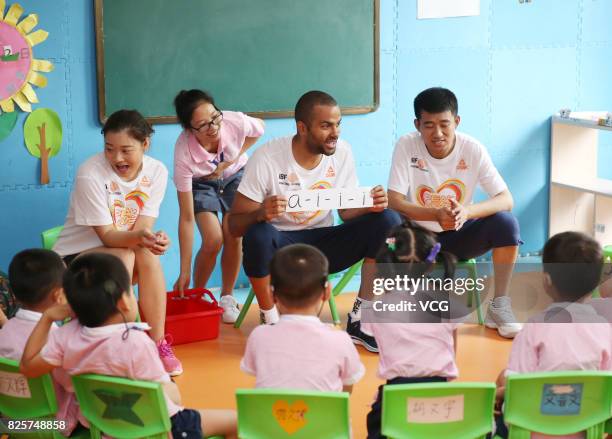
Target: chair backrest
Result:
[428, 410]
[25, 398]
[295, 414]
[122, 408]
[558, 403]
[50, 236]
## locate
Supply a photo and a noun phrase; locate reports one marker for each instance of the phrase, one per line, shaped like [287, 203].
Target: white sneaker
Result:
[230, 309]
[501, 317]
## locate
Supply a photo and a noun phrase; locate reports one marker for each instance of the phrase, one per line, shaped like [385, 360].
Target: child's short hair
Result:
[130, 120]
[93, 285]
[186, 101]
[416, 249]
[435, 100]
[574, 262]
[298, 274]
[34, 274]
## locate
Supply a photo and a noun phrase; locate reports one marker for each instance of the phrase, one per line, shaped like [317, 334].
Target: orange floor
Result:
[212, 368]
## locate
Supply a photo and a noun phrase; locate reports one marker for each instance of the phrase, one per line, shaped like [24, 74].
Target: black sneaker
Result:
[354, 330]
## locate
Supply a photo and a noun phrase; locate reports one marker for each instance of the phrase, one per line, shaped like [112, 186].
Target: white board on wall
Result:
[447, 8]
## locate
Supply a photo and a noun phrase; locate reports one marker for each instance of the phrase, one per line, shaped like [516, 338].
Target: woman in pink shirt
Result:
[413, 347]
[209, 157]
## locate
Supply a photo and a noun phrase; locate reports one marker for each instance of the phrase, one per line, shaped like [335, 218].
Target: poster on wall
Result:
[447, 8]
[19, 70]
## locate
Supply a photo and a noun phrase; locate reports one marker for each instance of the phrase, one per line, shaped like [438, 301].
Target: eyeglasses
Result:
[215, 121]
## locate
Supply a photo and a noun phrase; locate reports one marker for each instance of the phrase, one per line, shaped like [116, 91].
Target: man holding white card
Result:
[312, 159]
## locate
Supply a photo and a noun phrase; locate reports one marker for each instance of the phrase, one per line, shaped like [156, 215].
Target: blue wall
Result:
[511, 68]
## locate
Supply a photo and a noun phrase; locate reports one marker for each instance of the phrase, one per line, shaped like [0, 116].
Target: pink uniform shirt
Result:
[79, 349]
[191, 160]
[13, 337]
[543, 347]
[414, 350]
[301, 352]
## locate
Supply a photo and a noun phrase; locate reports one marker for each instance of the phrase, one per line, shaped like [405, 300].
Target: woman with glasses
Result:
[209, 157]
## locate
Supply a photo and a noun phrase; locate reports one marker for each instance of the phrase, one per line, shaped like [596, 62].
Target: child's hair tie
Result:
[431, 257]
[390, 243]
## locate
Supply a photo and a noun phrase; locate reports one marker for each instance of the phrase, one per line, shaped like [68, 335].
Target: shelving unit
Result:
[579, 200]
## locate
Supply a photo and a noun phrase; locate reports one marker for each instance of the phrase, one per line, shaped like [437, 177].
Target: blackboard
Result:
[255, 56]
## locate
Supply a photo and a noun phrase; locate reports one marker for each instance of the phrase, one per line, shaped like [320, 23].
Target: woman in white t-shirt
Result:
[113, 206]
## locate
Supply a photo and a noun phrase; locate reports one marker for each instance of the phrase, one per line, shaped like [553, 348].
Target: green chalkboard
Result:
[255, 56]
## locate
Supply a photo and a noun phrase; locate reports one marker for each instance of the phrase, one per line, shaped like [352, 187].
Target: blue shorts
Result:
[187, 424]
[215, 195]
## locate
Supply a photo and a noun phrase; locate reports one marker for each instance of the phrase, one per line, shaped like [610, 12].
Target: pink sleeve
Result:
[252, 127]
[182, 171]
[53, 351]
[352, 370]
[524, 353]
[248, 364]
[146, 364]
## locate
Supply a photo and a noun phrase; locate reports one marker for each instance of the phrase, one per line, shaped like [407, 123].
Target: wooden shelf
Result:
[579, 200]
[583, 119]
[598, 186]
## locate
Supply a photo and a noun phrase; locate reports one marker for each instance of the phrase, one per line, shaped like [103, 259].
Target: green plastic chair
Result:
[295, 414]
[49, 237]
[41, 404]
[123, 408]
[473, 295]
[346, 278]
[438, 410]
[558, 403]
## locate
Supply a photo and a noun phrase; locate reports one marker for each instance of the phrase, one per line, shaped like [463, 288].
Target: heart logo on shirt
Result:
[452, 188]
[292, 417]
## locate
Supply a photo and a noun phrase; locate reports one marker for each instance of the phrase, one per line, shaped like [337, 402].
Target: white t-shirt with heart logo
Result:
[100, 198]
[431, 182]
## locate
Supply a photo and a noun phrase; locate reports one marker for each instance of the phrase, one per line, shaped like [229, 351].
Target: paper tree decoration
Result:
[43, 137]
[18, 69]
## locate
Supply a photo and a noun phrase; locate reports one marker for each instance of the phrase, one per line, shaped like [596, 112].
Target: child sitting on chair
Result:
[300, 352]
[569, 334]
[35, 276]
[414, 347]
[106, 340]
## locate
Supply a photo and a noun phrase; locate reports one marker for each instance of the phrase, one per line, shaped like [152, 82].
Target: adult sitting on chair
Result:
[313, 158]
[434, 172]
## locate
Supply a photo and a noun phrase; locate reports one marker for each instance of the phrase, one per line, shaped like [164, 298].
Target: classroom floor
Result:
[212, 368]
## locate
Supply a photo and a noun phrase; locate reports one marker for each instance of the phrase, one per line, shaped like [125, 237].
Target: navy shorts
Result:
[344, 245]
[373, 419]
[187, 424]
[215, 195]
[478, 236]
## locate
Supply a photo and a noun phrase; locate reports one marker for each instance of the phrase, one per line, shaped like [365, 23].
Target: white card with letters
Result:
[326, 199]
[435, 410]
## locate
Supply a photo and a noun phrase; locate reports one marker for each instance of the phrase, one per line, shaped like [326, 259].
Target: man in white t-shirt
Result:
[314, 158]
[434, 172]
